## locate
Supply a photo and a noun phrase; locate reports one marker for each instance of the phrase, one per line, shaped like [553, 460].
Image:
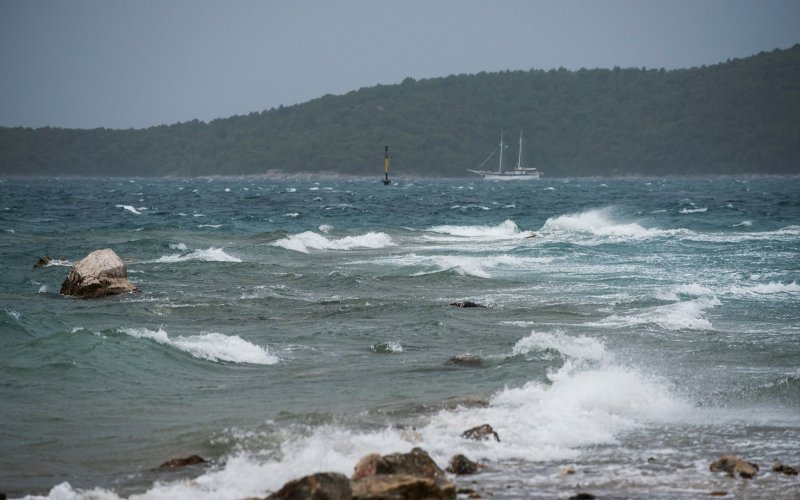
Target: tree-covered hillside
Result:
[742, 116]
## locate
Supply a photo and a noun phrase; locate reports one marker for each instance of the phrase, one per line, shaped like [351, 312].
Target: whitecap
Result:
[507, 229]
[683, 315]
[693, 210]
[467, 265]
[578, 347]
[744, 223]
[309, 240]
[325, 228]
[761, 289]
[130, 209]
[596, 222]
[209, 255]
[210, 346]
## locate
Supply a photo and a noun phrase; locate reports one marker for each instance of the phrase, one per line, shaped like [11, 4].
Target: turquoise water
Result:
[287, 326]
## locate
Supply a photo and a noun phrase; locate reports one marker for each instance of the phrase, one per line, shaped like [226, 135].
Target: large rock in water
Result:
[100, 273]
[734, 466]
[412, 475]
[321, 486]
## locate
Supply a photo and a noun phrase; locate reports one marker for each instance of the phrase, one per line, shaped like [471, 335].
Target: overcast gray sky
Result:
[123, 64]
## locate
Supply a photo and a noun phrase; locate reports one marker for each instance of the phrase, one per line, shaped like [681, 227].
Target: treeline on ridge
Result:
[741, 116]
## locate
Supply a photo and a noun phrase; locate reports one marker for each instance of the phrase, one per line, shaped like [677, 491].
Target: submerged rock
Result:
[42, 262]
[461, 465]
[467, 303]
[98, 274]
[733, 465]
[320, 486]
[567, 470]
[464, 360]
[784, 469]
[174, 463]
[481, 433]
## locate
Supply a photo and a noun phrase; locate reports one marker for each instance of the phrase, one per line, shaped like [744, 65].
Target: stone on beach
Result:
[98, 274]
[733, 465]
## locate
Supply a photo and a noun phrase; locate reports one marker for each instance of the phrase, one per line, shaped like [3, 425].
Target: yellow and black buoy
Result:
[386, 180]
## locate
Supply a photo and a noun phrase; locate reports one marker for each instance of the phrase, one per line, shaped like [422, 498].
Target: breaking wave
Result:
[210, 346]
[309, 240]
[503, 231]
[212, 254]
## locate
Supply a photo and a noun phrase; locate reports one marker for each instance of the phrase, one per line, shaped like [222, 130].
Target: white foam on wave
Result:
[581, 347]
[469, 265]
[131, 209]
[682, 315]
[693, 210]
[771, 288]
[744, 223]
[307, 241]
[210, 346]
[598, 222]
[505, 230]
[211, 254]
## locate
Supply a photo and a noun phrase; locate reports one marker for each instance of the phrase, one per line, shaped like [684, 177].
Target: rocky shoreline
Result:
[415, 475]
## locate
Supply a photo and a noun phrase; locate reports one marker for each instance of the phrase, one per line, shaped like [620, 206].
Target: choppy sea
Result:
[634, 329]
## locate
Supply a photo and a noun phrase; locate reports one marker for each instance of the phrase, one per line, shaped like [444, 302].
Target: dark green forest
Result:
[740, 116]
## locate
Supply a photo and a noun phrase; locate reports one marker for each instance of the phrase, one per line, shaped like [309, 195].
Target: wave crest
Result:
[211, 254]
[210, 346]
[307, 241]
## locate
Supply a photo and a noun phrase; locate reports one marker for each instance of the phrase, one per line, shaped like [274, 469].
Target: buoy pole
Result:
[386, 180]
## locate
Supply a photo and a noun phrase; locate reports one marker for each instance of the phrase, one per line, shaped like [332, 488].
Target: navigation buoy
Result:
[386, 180]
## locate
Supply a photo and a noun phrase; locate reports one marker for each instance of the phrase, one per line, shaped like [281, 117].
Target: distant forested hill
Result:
[741, 116]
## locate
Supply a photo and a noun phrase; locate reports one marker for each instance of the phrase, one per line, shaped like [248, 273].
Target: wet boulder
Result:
[461, 465]
[481, 433]
[98, 274]
[320, 486]
[42, 262]
[733, 466]
[417, 462]
[784, 469]
[399, 486]
[400, 475]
